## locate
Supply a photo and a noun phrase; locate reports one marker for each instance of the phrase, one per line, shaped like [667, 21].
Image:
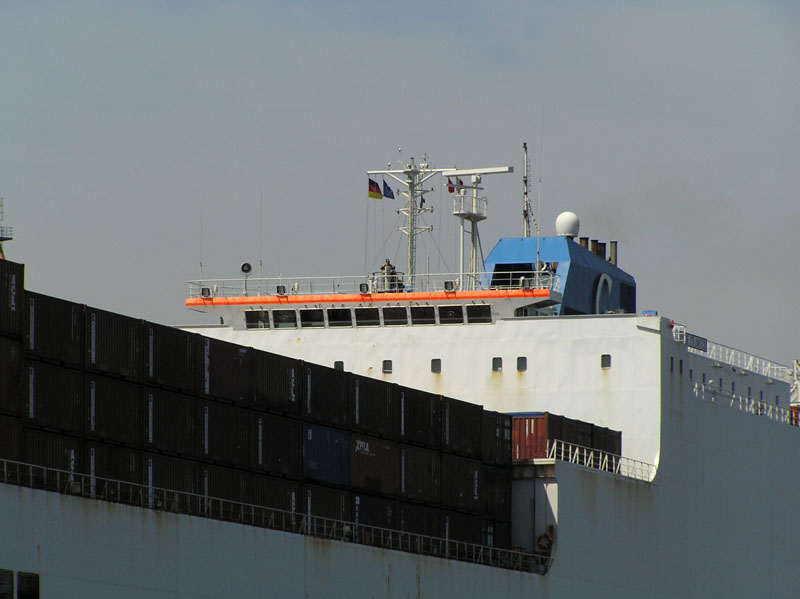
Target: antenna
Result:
[6, 233]
[526, 187]
[202, 209]
[539, 203]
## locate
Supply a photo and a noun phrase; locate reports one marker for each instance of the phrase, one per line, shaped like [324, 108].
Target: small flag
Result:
[387, 191]
[460, 183]
[374, 190]
[450, 187]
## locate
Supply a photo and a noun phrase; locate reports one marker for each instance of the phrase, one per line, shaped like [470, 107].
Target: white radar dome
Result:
[568, 224]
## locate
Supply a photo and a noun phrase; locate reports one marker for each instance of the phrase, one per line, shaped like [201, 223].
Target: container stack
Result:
[90, 392]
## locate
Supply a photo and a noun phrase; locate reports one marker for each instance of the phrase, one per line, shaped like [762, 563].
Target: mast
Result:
[526, 186]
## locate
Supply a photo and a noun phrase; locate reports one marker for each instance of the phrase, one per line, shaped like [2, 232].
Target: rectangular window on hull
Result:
[436, 365]
[423, 315]
[522, 363]
[312, 318]
[257, 319]
[479, 314]
[396, 316]
[387, 367]
[605, 361]
[339, 317]
[367, 317]
[497, 364]
[284, 319]
[451, 315]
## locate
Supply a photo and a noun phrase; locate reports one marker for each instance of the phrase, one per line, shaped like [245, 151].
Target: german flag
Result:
[374, 190]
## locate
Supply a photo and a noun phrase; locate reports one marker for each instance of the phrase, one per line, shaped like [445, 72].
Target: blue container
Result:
[326, 455]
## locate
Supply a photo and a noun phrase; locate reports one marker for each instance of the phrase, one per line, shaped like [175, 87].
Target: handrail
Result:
[600, 460]
[166, 500]
[749, 405]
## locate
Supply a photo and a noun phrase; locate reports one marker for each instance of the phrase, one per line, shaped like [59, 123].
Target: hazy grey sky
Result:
[671, 127]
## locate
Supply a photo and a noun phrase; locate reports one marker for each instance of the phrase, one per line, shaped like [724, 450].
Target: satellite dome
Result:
[567, 224]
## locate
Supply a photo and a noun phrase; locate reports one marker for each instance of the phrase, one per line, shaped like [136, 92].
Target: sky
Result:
[141, 139]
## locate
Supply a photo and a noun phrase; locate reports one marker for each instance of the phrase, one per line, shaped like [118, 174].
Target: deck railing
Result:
[166, 500]
[600, 460]
[749, 405]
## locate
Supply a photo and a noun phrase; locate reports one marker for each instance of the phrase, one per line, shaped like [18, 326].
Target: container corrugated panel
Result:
[224, 432]
[54, 329]
[53, 397]
[51, 450]
[276, 383]
[326, 455]
[113, 410]
[109, 467]
[325, 394]
[583, 433]
[496, 438]
[166, 472]
[372, 409]
[275, 445]
[11, 376]
[530, 434]
[606, 439]
[497, 493]
[170, 357]
[418, 418]
[417, 519]
[12, 295]
[10, 428]
[465, 528]
[461, 427]
[223, 483]
[276, 493]
[496, 534]
[462, 483]
[419, 474]
[170, 423]
[226, 371]
[374, 511]
[113, 344]
[373, 465]
[794, 420]
[325, 502]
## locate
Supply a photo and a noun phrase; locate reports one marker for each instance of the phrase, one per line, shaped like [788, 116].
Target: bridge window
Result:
[367, 317]
[284, 319]
[339, 317]
[605, 361]
[522, 363]
[257, 319]
[479, 314]
[312, 318]
[436, 365]
[451, 315]
[423, 315]
[395, 316]
[497, 364]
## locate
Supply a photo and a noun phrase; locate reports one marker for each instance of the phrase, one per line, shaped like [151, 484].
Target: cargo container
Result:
[114, 473]
[418, 417]
[497, 493]
[325, 502]
[170, 483]
[794, 417]
[464, 528]
[223, 491]
[372, 409]
[276, 493]
[461, 427]
[224, 432]
[275, 445]
[533, 434]
[113, 410]
[170, 423]
[11, 377]
[607, 440]
[53, 397]
[276, 383]
[10, 428]
[225, 371]
[113, 344]
[54, 330]
[417, 519]
[12, 294]
[496, 439]
[325, 395]
[496, 534]
[170, 357]
[326, 455]
[60, 457]
[419, 474]
[368, 510]
[373, 465]
[462, 484]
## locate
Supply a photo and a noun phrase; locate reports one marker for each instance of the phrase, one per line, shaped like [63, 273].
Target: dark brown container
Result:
[54, 330]
[276, 493]
[462, 484]
[419, 474]
[225, 371]
[223, 433]
[11, 372]
[113, 410]
[113, 344]
[418, 417]
[276, 383]
[109, 468]
[53, 397]
[417, 519]
[464, 528]
[368, 510]
[373, 465]
[497, 493]
[170, 357]
[223, 483]
[607, 440]
[496, 534]
[10, 427]
[326, 502]
[325, 394]
[170, 483]
[372, 409]
[461, 427]
[275, 444]
[496, 439]
[12, 293]
[170, 423]
[52, 451]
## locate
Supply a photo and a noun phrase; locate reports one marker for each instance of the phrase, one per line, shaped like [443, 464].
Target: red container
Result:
[419, 474]
[113, 344]
[276, 383]
[275, 445]
[54, 330]
[11, 372]
[224, 432]
[530, 434]
[12, 293]
[462, 484]
[373, 465]
[170, 423]
[170, 357]
[461, 427]
[795, 416]
[53, 397]
[113, 410]
[372, 409]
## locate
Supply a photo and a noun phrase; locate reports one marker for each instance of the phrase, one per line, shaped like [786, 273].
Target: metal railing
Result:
[600, 460]
[749, 405]
[166, 500]
[376, 282]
